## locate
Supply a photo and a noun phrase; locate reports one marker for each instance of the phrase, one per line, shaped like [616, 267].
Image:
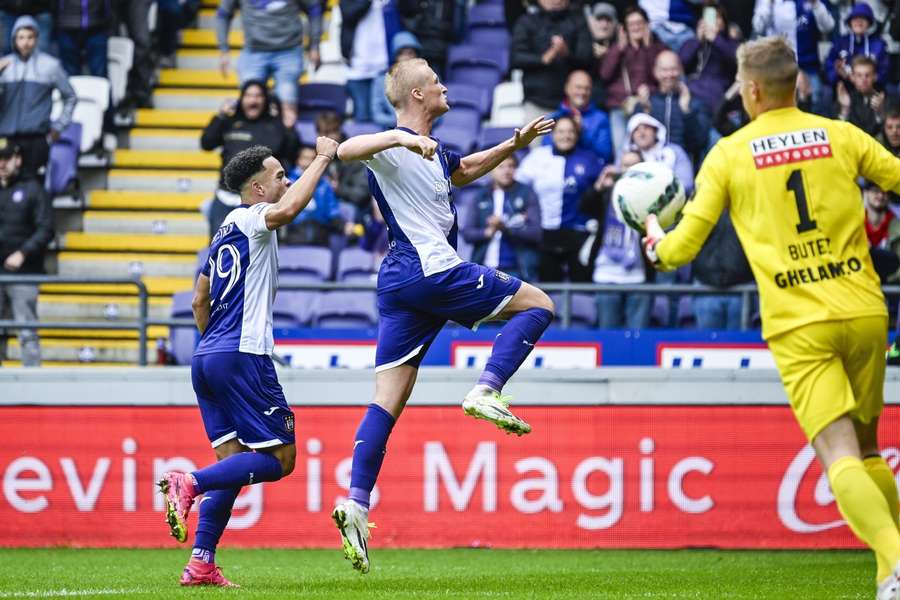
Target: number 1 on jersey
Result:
[795, 184]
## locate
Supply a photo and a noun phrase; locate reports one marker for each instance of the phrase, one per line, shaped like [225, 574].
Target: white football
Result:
[648, 188]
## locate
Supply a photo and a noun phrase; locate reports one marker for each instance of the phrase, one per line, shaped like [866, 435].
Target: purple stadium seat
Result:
[352, 128]
[304, 260]
[486, 76]
[293, 308]
[495, 40]
[471, 55]
[487, 15]
[354, 261]
[584, 309]
[307, 132]
[316, 97]
[459, 129]
[182, 339]
[62, 170]
[470, 96]
[686, 312]
[491, 136]
[345, 309]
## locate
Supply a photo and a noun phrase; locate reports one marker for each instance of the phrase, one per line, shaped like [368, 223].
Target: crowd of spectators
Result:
[652, 80]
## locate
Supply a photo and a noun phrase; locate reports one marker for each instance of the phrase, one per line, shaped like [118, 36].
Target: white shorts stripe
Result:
[493, 314]
[399, 361]
[266, 444]
[228, 436]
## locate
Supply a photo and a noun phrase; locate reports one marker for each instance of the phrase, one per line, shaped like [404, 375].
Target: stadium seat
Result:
[93, 100]
[316, 97]
[307, 132]
[352, 128]
[495, 39]
[491, 136]
[459, 129]
[120, 58]
[469, 64]
[470, 96]
[583, 310]
[311, 261]
[487, 15]
[292, 308]
[345, 309]
[182, 339]
[507, 108]
[62, 169]
[353, 262]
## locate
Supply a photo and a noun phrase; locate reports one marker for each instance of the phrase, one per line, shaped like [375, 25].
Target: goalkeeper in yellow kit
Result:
[789, 181]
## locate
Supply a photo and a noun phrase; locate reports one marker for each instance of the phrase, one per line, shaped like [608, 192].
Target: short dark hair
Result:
[634, 8]
[327, 120]
[244, 165]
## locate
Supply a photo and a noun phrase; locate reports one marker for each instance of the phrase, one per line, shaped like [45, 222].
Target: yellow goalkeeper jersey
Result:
[789, 181]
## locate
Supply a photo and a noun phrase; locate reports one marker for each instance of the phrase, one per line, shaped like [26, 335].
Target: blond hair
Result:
[402, 78]
[772, 63]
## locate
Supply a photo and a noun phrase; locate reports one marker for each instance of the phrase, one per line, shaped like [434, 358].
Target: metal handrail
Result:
[140, 325]
[567, 289]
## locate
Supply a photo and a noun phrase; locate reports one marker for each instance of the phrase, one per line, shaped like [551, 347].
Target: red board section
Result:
[650, 476]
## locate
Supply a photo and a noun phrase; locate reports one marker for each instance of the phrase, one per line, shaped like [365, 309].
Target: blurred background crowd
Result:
[94, 93]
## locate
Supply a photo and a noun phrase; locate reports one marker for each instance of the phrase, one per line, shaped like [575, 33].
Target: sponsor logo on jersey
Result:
[791, 147]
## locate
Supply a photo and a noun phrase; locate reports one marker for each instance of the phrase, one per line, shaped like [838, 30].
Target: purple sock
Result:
[215, 510]
[243, 468]
[369, 447]
[513, 344]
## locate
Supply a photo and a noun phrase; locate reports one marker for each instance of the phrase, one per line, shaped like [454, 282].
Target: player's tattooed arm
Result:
[301, 191]
[475, 165]
[364, 147]
[200, 302]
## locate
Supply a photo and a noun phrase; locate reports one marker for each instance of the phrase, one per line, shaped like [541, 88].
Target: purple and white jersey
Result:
[413, 195]
[243, 276]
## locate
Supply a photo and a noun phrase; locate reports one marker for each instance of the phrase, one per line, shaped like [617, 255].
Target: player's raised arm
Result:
[701, 214]
[364, 147]
[475, 165]
[301, 191]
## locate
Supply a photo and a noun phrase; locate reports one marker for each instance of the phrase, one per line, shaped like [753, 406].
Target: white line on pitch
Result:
[69, 593]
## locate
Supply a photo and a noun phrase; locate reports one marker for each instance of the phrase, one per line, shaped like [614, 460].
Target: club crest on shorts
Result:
[501, 276]
[289, 423]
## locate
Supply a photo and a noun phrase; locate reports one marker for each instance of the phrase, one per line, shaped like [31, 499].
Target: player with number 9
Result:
[789, 181]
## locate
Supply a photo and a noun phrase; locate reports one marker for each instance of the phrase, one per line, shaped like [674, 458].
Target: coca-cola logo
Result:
[790, 485]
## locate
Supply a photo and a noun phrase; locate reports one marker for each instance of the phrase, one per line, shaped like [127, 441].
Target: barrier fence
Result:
[747, 294]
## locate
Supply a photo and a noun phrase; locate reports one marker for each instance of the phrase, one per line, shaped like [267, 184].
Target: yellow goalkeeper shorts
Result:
[833, 368]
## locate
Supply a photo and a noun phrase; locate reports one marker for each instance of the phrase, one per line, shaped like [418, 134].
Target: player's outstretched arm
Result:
[364, 147]
[475, 165]
[200, 302]
[301, 191]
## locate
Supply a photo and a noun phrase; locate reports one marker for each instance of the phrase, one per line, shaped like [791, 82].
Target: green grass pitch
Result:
[463, 574]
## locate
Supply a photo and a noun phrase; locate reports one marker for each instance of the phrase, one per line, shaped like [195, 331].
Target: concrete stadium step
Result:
[152, 117]
[163, 159]
[179, 140]
[202, 59]
[123, 264]
[163, 181]
[87, 350]
[96, 221]
[198, 78]
[53, 307]
[207, 19]
[134, 200]
[153, 332]
[120, 242]
[191, 99]
[157, 285]
[206, 38]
